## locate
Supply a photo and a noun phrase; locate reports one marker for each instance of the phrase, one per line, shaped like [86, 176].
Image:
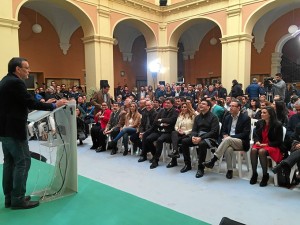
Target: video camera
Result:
[267, 82]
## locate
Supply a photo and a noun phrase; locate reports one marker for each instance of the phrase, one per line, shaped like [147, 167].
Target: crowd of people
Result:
[200, 116]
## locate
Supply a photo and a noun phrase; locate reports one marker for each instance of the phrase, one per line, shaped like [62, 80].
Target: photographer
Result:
[278, 86]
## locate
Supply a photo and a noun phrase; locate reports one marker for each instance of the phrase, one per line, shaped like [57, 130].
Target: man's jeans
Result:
[15, 168]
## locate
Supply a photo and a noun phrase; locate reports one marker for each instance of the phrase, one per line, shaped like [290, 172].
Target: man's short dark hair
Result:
[14, 62]
[207, 101]
[117, 103]
[171, 100]
[237, 101]
[105, 86]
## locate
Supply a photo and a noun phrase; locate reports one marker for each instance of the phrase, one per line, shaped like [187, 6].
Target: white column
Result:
[236, 59]
[167, 57]
[9, 44]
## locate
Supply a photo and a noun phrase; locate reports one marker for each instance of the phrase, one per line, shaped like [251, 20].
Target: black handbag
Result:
[283, 178]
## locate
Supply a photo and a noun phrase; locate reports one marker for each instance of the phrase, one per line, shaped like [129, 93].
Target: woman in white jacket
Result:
[183, 127]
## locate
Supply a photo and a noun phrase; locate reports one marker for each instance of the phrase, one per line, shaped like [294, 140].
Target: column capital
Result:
[9, 23]
[162, 49]
[163, 26]
[234, 10]
[104, 13]
[235, 38]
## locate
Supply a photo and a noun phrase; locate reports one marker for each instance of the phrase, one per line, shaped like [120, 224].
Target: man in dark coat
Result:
[236, 89]
[204, 135]
[148, 116]
[16, 102]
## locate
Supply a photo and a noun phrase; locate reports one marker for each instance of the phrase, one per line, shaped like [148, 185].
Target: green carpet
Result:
[95, 203]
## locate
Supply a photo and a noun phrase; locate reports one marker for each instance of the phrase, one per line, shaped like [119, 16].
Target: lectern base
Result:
[50, 195]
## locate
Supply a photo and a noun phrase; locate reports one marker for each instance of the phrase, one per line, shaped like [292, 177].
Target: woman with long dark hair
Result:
[253, 109]
[268, 138]
[281, 112]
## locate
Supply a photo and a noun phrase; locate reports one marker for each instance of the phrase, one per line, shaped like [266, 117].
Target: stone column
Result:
[167, 58]
[236, 59]
[236, 48]
[98, 61]
[276, 63]
[9, 43]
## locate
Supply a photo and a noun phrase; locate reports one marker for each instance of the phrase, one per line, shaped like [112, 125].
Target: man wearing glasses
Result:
[13, 132]
[236, 137]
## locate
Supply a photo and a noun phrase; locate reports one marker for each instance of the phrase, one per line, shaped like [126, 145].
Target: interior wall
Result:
[207, 60]
[43, 50]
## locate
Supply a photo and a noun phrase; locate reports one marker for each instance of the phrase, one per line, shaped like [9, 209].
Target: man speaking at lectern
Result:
[16, 102]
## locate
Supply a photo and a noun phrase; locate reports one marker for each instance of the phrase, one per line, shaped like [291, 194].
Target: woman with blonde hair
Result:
[183, 128]
[132, 123]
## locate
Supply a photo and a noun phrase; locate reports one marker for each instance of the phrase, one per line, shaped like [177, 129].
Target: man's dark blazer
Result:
[242, 130]
[167, 116]
[15, 104]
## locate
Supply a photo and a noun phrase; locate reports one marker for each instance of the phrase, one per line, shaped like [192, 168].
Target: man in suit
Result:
[160, 132]
[148, 116]
[100, 97]
[236, 136]
[16, 102]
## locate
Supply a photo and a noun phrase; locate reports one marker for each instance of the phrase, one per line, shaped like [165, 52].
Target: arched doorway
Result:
[132, 38]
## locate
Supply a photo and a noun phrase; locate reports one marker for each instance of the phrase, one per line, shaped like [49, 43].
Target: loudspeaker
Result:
[227, 221]
[163, 2]
[103, 83]
[162, 83]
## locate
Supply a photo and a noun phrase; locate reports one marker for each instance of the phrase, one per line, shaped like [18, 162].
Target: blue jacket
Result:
[253, 90]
